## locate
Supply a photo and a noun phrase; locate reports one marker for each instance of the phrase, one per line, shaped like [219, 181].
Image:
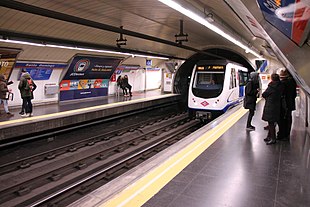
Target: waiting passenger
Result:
[251, 92]
[120, 84]
[272, 108]
[285, 122]
[4, 94]
[127, 85]
[26, 87]
[23, 104]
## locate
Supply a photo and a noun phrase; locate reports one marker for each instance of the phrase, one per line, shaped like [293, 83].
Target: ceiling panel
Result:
[147, 17]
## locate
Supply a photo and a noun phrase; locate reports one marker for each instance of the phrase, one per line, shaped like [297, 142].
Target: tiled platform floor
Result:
[240, 170]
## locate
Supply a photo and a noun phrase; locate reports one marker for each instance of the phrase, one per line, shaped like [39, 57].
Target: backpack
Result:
[29, 85]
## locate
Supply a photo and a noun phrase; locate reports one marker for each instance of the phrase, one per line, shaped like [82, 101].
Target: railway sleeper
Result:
[23, 191]
[90, 143]
[50, 156]
[81, 166]
[55, 177]
[25, 165]
[72, 149]
[102, 156]
[135, 143]
[84, 190]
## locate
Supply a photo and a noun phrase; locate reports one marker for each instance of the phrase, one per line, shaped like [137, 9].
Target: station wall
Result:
[141, 80]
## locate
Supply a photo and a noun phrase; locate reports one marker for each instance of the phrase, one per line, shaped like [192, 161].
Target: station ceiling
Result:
[151, 18]
[149, 26]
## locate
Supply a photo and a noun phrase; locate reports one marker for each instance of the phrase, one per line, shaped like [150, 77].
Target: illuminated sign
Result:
[216, 67]
[200, 68]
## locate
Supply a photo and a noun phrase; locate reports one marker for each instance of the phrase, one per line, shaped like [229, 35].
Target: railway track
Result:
[59, 176]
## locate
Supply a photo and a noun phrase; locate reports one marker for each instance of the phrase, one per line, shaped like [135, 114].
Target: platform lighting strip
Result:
[201, 20]
[78, 48]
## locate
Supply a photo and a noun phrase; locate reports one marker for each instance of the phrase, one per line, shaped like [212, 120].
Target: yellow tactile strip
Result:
[142, 190]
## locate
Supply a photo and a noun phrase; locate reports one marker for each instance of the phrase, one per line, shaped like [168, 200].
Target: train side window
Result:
[243, 78]
[233, 81]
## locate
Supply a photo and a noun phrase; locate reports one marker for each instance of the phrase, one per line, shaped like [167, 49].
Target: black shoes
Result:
[283, 138]
[21, 113]
[267, 139]
[250, 128]
[9, 114]
[271, 142]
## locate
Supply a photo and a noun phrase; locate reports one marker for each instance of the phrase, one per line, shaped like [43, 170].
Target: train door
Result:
[243, 78]
[233, 86]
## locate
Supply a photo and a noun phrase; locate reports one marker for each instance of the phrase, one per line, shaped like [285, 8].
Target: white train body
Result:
[215, 87]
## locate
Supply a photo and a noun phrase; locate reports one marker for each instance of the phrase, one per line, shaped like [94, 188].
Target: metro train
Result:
[215, 86]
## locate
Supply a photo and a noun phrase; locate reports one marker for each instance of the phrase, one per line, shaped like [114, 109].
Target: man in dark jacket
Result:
[285, 122]
[26, 87]
[272, 108]
[251, 92]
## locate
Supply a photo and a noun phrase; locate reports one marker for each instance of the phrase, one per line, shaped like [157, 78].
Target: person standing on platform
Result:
[22, 112]
[26, 87]
[272, 109]
[127, 85]
[4, 94]
[251, 92]
[285, 122]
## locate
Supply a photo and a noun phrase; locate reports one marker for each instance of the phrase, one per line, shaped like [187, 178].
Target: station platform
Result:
[221, 164]
[51, 116]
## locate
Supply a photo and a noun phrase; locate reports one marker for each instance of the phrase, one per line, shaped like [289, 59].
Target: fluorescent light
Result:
[81, 49]
[22, 42]
[204, 22]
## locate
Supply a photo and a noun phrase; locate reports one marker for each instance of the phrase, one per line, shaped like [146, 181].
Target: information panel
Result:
[39, 71]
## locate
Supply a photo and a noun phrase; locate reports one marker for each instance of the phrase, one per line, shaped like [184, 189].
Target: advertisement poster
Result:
[291, 17]
[87, 77]
[39, 71]
[7, 61]
[83, 67]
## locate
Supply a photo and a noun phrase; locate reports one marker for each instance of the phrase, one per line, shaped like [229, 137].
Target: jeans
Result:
[5, 105]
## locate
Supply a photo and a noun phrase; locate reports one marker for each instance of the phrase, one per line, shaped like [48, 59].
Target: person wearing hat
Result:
[285, 122]
[22, 76]
[272, 108]
[251, 92]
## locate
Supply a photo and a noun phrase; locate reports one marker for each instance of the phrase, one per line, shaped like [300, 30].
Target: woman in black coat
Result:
[251, 92]
[285, 123]
[272, 108]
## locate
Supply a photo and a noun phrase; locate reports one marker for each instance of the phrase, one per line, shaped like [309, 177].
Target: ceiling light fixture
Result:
[203, 21]
[79, 48]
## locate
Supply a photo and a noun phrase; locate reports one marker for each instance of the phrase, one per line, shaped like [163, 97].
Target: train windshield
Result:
[208, 84]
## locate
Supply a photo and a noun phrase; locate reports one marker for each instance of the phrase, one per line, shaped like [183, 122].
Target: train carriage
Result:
[215, 86]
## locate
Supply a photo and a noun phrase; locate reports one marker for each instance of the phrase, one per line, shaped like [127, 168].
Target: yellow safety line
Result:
[93, 108]
[141, 191]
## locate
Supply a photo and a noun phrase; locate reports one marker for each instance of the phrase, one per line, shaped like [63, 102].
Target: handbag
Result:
[9, 95]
